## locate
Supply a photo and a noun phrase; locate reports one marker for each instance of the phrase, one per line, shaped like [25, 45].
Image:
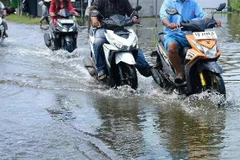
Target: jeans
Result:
[141, 64]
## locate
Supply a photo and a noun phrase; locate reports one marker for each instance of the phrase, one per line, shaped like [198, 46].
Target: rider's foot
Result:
[5, 34]
[101, 75]
[179, 79]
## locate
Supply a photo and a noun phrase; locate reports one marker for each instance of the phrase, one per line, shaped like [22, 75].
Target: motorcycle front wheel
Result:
[68, 46]
[129, 75]
[215, 83]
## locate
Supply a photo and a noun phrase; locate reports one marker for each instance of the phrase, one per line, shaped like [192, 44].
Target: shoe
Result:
[5, 34]
[101, 75]
[179, 79]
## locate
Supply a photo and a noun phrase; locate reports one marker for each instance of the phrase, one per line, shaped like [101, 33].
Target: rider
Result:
[3, 13]
[174, 38]
[57, 5]
[108, 8]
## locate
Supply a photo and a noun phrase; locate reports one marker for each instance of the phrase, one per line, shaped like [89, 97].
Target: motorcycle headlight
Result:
[209, 52]
[64, 29]
[59, 24]
[121, 46]
[71, 29]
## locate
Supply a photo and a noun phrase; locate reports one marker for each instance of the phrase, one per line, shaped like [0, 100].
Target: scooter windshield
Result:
[117, 20]
[64, 13]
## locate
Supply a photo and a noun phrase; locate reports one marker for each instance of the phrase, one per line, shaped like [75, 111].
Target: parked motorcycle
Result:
[119, 52]
[63, 32]
[199, 62]
[8, 11]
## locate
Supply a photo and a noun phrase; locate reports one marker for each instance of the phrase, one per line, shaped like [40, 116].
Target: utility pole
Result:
[156, 13]
[137, 2]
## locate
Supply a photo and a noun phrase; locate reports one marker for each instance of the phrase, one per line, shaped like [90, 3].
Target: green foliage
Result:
[234, 4]
[31, 20]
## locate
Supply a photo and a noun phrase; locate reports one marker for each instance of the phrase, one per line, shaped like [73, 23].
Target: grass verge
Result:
[32, 20]
[23, 19]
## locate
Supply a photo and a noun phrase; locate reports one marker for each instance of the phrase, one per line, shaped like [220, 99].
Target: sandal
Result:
[179, 79]
[101, 75]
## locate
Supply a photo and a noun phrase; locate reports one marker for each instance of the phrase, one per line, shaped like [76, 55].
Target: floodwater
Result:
[52, 109]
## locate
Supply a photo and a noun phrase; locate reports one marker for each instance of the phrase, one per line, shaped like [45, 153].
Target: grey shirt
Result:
[44, 11]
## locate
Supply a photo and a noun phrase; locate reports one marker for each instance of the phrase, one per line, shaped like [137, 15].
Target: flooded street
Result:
[51, 108]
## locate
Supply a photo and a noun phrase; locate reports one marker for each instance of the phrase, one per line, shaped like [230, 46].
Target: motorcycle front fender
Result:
[212, 66]
[68, 38]
[125, 57]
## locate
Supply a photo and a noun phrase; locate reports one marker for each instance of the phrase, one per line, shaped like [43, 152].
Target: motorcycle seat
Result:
[161, 37]
[183, 52]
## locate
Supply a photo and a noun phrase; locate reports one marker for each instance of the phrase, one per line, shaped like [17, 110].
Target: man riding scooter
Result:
[108, 8]
[174, 38]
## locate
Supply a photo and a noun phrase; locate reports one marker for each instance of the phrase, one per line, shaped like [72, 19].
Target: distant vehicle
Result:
[64, 34]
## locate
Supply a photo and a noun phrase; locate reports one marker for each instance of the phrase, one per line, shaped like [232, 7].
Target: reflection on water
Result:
[192, 135]
[52, 109]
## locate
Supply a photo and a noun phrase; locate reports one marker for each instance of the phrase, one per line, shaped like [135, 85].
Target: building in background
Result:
[151, 7]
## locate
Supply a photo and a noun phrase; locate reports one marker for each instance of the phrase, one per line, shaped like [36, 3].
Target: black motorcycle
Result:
[63, 32]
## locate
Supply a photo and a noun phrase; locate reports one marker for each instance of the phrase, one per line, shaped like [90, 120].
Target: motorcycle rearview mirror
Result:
[137, 8]
[221, 6]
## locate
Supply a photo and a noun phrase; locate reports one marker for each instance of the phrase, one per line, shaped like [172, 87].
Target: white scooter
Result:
[119, 52]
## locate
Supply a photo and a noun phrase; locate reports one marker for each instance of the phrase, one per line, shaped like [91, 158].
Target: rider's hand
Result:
[95, 22]
[4, 12]
[172, 25]
[51, 14]
[135, 20]
[218, 23]
[75, 13]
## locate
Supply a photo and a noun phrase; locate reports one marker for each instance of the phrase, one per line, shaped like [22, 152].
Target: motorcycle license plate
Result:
[205, 35]
[66, 21]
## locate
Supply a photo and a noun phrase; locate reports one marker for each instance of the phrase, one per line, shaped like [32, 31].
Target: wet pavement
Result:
[52, 109]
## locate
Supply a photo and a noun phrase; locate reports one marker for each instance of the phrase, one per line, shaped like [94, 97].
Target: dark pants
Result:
[44, 18]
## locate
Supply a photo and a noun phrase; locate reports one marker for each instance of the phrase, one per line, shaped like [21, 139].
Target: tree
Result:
[234, 4]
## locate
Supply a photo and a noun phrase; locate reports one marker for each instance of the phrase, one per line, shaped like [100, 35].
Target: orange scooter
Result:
[199, 62]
